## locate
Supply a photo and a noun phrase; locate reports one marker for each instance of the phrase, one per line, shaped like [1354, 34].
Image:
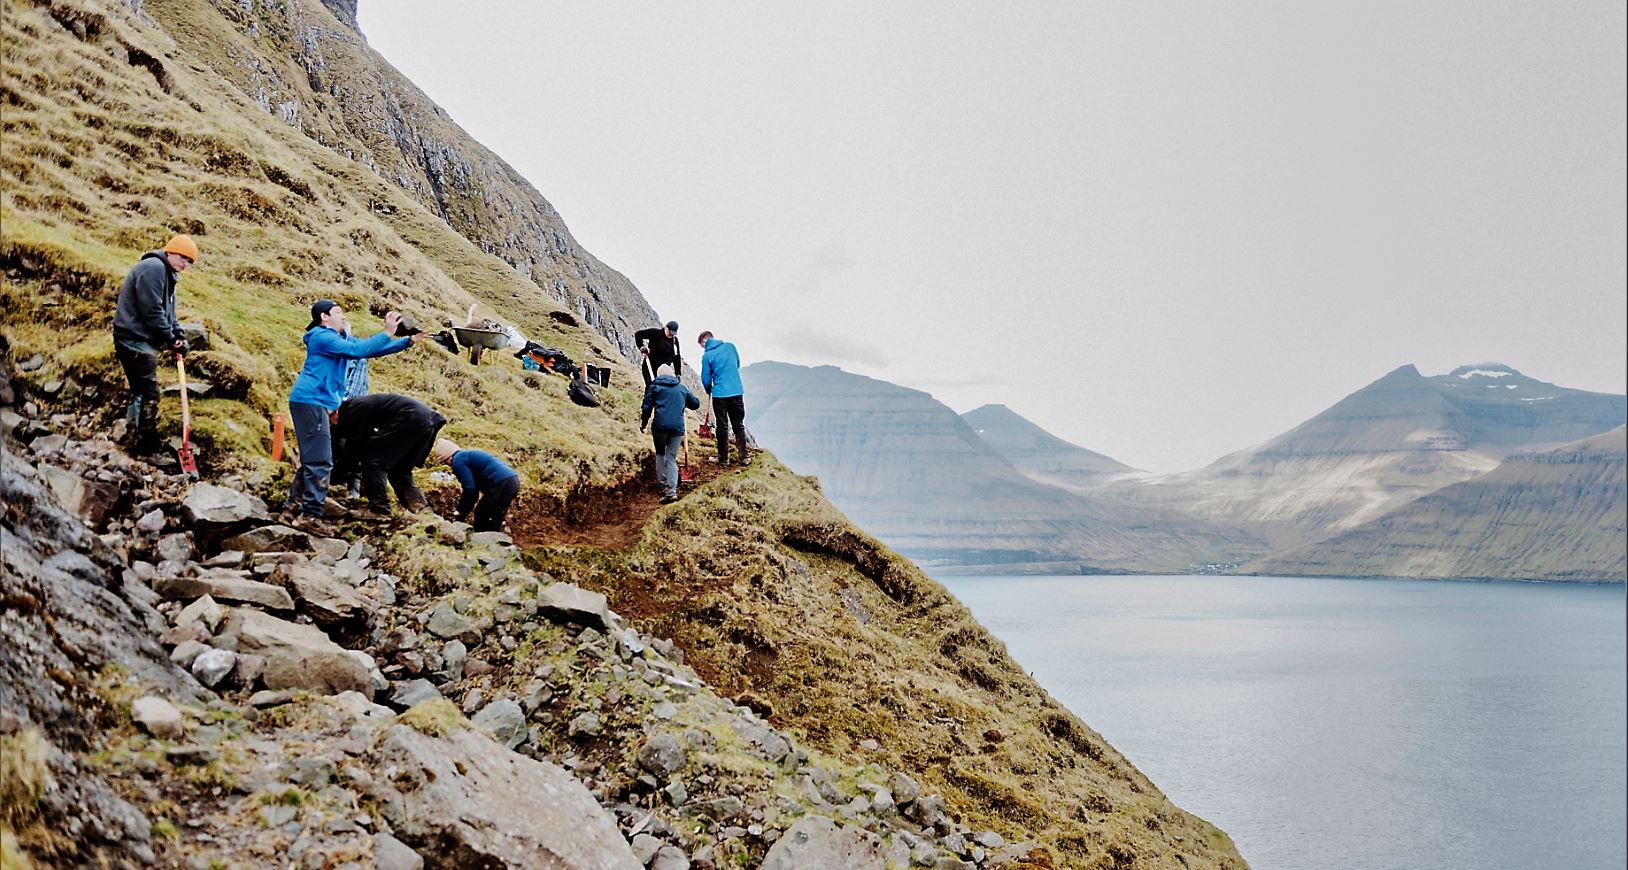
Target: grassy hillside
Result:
[120, 129]
[776, 599]
[1552, 515]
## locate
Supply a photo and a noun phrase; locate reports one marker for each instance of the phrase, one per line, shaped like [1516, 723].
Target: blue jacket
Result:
[667, 398]
[477, 471]
[721, 370]
[322, 380]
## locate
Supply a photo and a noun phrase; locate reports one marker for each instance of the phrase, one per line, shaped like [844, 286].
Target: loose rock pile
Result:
[321, 716]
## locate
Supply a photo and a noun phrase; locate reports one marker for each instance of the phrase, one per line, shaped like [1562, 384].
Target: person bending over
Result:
[385, 436]
[484, 477]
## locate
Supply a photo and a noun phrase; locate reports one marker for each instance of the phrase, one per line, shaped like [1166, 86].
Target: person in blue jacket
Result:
[665, 400]
[484, 477]
[721, 378]
[317, 393]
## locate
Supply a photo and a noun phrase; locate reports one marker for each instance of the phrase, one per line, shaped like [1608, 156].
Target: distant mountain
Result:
[911, 471]
[1040, 455]
[1399, 438]
[1557, 514]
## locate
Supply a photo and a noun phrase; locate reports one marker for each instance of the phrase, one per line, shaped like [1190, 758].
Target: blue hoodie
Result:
[721, 370]
[322, 380]
[666, 399]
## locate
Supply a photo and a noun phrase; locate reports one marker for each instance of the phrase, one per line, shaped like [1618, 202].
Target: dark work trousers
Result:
[392, 459]
[310, 488]
[141, 370]
[493, 506]
[730, 412]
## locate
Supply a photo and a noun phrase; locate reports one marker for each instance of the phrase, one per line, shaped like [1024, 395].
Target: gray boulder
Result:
[158, 716]
[662, 755]
[298, 656]
[269, 539]
[209, 505]
[449, 623]
[390, 853]
[225, 585]
[564, 602]
[328, 601]
[410, 692]
[505, 720]
[89, 499]
[816, 841]
[213, 665]
[479, 805]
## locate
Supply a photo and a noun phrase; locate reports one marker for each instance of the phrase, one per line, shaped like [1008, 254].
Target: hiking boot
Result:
[313, 526]
[372, 514]
[669, 499]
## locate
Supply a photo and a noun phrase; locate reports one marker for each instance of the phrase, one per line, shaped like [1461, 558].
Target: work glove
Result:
[179, 346]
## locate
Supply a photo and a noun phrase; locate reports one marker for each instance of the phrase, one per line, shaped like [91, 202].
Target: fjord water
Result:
[1348, 723]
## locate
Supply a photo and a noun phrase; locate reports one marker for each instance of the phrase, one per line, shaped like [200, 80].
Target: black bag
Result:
[582, 394]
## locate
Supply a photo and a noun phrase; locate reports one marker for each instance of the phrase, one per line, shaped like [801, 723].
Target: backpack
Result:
[582, 394]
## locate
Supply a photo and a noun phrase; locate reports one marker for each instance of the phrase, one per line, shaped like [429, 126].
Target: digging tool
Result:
[648, 374]
[705, 430]
[189, 465]
[686, 473]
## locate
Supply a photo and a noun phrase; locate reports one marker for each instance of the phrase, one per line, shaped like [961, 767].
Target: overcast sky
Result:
[1162, 230]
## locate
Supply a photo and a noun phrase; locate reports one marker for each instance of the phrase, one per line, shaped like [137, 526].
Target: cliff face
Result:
[1557, 514]
[909, 469]
[1397, 439]
[307, 65]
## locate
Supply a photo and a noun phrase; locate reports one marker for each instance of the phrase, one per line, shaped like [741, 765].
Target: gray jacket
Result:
[145, 313]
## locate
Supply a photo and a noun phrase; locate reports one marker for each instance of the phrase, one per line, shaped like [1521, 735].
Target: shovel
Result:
[189, 464]
[686, 474]
[705, 430]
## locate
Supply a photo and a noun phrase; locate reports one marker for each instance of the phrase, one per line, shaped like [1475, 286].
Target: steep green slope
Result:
[122, 126]
[1551, 515]
[777, 599]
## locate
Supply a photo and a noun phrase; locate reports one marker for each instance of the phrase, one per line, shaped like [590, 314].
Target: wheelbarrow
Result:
[479, 340]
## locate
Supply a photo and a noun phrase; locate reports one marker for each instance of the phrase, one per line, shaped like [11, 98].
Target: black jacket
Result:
[663, 350]
[145, 311]
[386, 429]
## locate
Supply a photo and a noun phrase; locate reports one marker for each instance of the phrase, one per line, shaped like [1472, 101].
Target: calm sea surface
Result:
[1348, 723]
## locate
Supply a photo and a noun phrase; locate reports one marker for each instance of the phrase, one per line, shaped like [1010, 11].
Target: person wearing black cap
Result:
[317, 393]
[660, 347]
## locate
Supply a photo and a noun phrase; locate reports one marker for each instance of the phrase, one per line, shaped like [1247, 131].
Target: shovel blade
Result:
[189, 464]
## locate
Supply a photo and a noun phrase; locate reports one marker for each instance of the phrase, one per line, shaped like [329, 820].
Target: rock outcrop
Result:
[465, 801]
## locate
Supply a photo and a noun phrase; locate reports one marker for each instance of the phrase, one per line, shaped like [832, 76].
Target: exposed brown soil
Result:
[600, 517]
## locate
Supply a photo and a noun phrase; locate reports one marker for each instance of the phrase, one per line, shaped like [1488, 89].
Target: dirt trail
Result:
[605, 518]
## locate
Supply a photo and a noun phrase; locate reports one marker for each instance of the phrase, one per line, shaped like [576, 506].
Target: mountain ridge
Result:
[1555, 514]
[913, 472]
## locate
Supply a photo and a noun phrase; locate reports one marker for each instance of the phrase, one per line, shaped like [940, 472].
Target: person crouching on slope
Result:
[383, 437]
[665, 400]
[484, 477]
[721, 378]
[317, 392]
[144, 325]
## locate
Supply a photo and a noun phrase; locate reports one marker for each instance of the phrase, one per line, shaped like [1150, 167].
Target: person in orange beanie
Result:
[144, 325]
